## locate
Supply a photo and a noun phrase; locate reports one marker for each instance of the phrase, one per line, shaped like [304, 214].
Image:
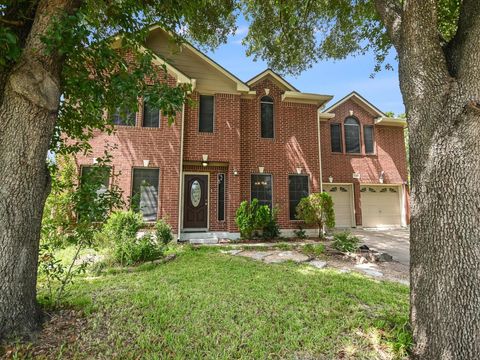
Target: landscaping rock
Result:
[369, 269]
[364, 248]
[231, 252]
[317, 263]
[256, 255]
[282, 256]
[384, 257]
[89, 259]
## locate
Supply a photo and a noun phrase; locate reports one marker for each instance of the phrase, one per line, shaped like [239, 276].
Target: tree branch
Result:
[462, 51]
[390, 12]
[12, 22]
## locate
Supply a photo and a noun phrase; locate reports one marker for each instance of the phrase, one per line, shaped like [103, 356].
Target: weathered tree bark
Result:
[441, 91]
[28, 112]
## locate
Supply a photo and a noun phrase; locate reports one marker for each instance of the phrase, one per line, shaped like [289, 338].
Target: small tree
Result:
[74, 213]
[317, 209]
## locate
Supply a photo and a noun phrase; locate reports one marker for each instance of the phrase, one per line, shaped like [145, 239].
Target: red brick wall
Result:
[237, 143]
[294, 145]
[223, 145]
[132, 145]
[389, 156]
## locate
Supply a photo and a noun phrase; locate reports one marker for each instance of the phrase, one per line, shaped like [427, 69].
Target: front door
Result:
[195, 204]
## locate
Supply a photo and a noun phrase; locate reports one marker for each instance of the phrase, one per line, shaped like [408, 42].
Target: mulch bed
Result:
[61, 328]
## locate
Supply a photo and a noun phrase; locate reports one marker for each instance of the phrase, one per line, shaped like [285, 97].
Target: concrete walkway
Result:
[395, 242]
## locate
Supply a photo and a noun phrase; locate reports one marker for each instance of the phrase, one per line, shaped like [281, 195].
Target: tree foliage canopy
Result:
[96, 76]
[292, 35]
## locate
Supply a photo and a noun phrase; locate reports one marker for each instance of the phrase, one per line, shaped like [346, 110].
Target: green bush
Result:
[317, 209]
[269, 224]
[300, 233]
[313, 249]
[123, 224]
[121, 230]
[346, 242]
[129, 251]
[163, 232]
[253, 217]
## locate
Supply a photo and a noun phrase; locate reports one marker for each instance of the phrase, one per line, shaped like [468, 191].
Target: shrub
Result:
[163, 232]
[253, 217]
[345, 242]
[300, 233]
[313, 249]
[317, 209]
[123, 224]
[269, 224]
[129, 251]
[245, 218]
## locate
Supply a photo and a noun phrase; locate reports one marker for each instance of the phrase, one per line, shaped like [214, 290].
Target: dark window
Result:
[123, 116]
[96, 176]
[221, 197]
[145, 192]
[95, 179]
[297, 190]
[206, 113]
[352, 135]
[151, 115]
[368, 139]
[266, 110]
[336, 137]
[262, 189]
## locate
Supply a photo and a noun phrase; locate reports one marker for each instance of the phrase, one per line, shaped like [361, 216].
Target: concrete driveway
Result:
[395, 242]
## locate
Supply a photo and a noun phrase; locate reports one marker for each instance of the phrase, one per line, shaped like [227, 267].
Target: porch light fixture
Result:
[235, 172]
[94, 161]
[261, 169]
[146, 163]
[299, 170]
[330, 178]
[204, 160]
[380, 179]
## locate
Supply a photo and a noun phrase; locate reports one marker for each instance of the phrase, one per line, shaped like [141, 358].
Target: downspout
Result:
[320, 159]
[319, 150]
[180, 182]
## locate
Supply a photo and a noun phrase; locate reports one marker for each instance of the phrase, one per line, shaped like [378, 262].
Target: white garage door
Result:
[380, 206]
[342, 203]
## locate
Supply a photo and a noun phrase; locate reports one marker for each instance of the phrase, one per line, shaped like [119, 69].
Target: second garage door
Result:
[380, 206]
[342, 203]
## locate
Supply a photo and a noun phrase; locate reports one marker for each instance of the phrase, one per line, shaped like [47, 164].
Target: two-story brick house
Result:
[259, 139]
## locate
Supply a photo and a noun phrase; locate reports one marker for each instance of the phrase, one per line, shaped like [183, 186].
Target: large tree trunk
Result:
[441, 96]
[28, 113]
[445, 235]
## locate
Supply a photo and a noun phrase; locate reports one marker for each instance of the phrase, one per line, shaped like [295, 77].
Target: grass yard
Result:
[208, 305]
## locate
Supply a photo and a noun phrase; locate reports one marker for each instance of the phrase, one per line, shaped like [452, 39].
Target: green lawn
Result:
[207, 305]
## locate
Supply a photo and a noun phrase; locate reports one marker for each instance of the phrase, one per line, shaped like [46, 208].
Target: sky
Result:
[337, 78]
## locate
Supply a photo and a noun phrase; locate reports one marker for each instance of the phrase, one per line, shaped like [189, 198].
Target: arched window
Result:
[266, 110]
[352, 135]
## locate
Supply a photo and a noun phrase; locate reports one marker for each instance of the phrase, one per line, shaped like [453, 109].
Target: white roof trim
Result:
[277, 77]
[391, 121]
[305, 98]
[325, 116]
[240, 84]
[180, 76]
[362, 100]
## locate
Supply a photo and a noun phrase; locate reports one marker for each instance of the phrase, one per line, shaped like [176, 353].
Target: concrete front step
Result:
[200, 237]
[208, 241]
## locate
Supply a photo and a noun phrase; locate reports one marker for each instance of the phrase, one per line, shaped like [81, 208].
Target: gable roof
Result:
[240, 85]
[276, 77]
[361, 101]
